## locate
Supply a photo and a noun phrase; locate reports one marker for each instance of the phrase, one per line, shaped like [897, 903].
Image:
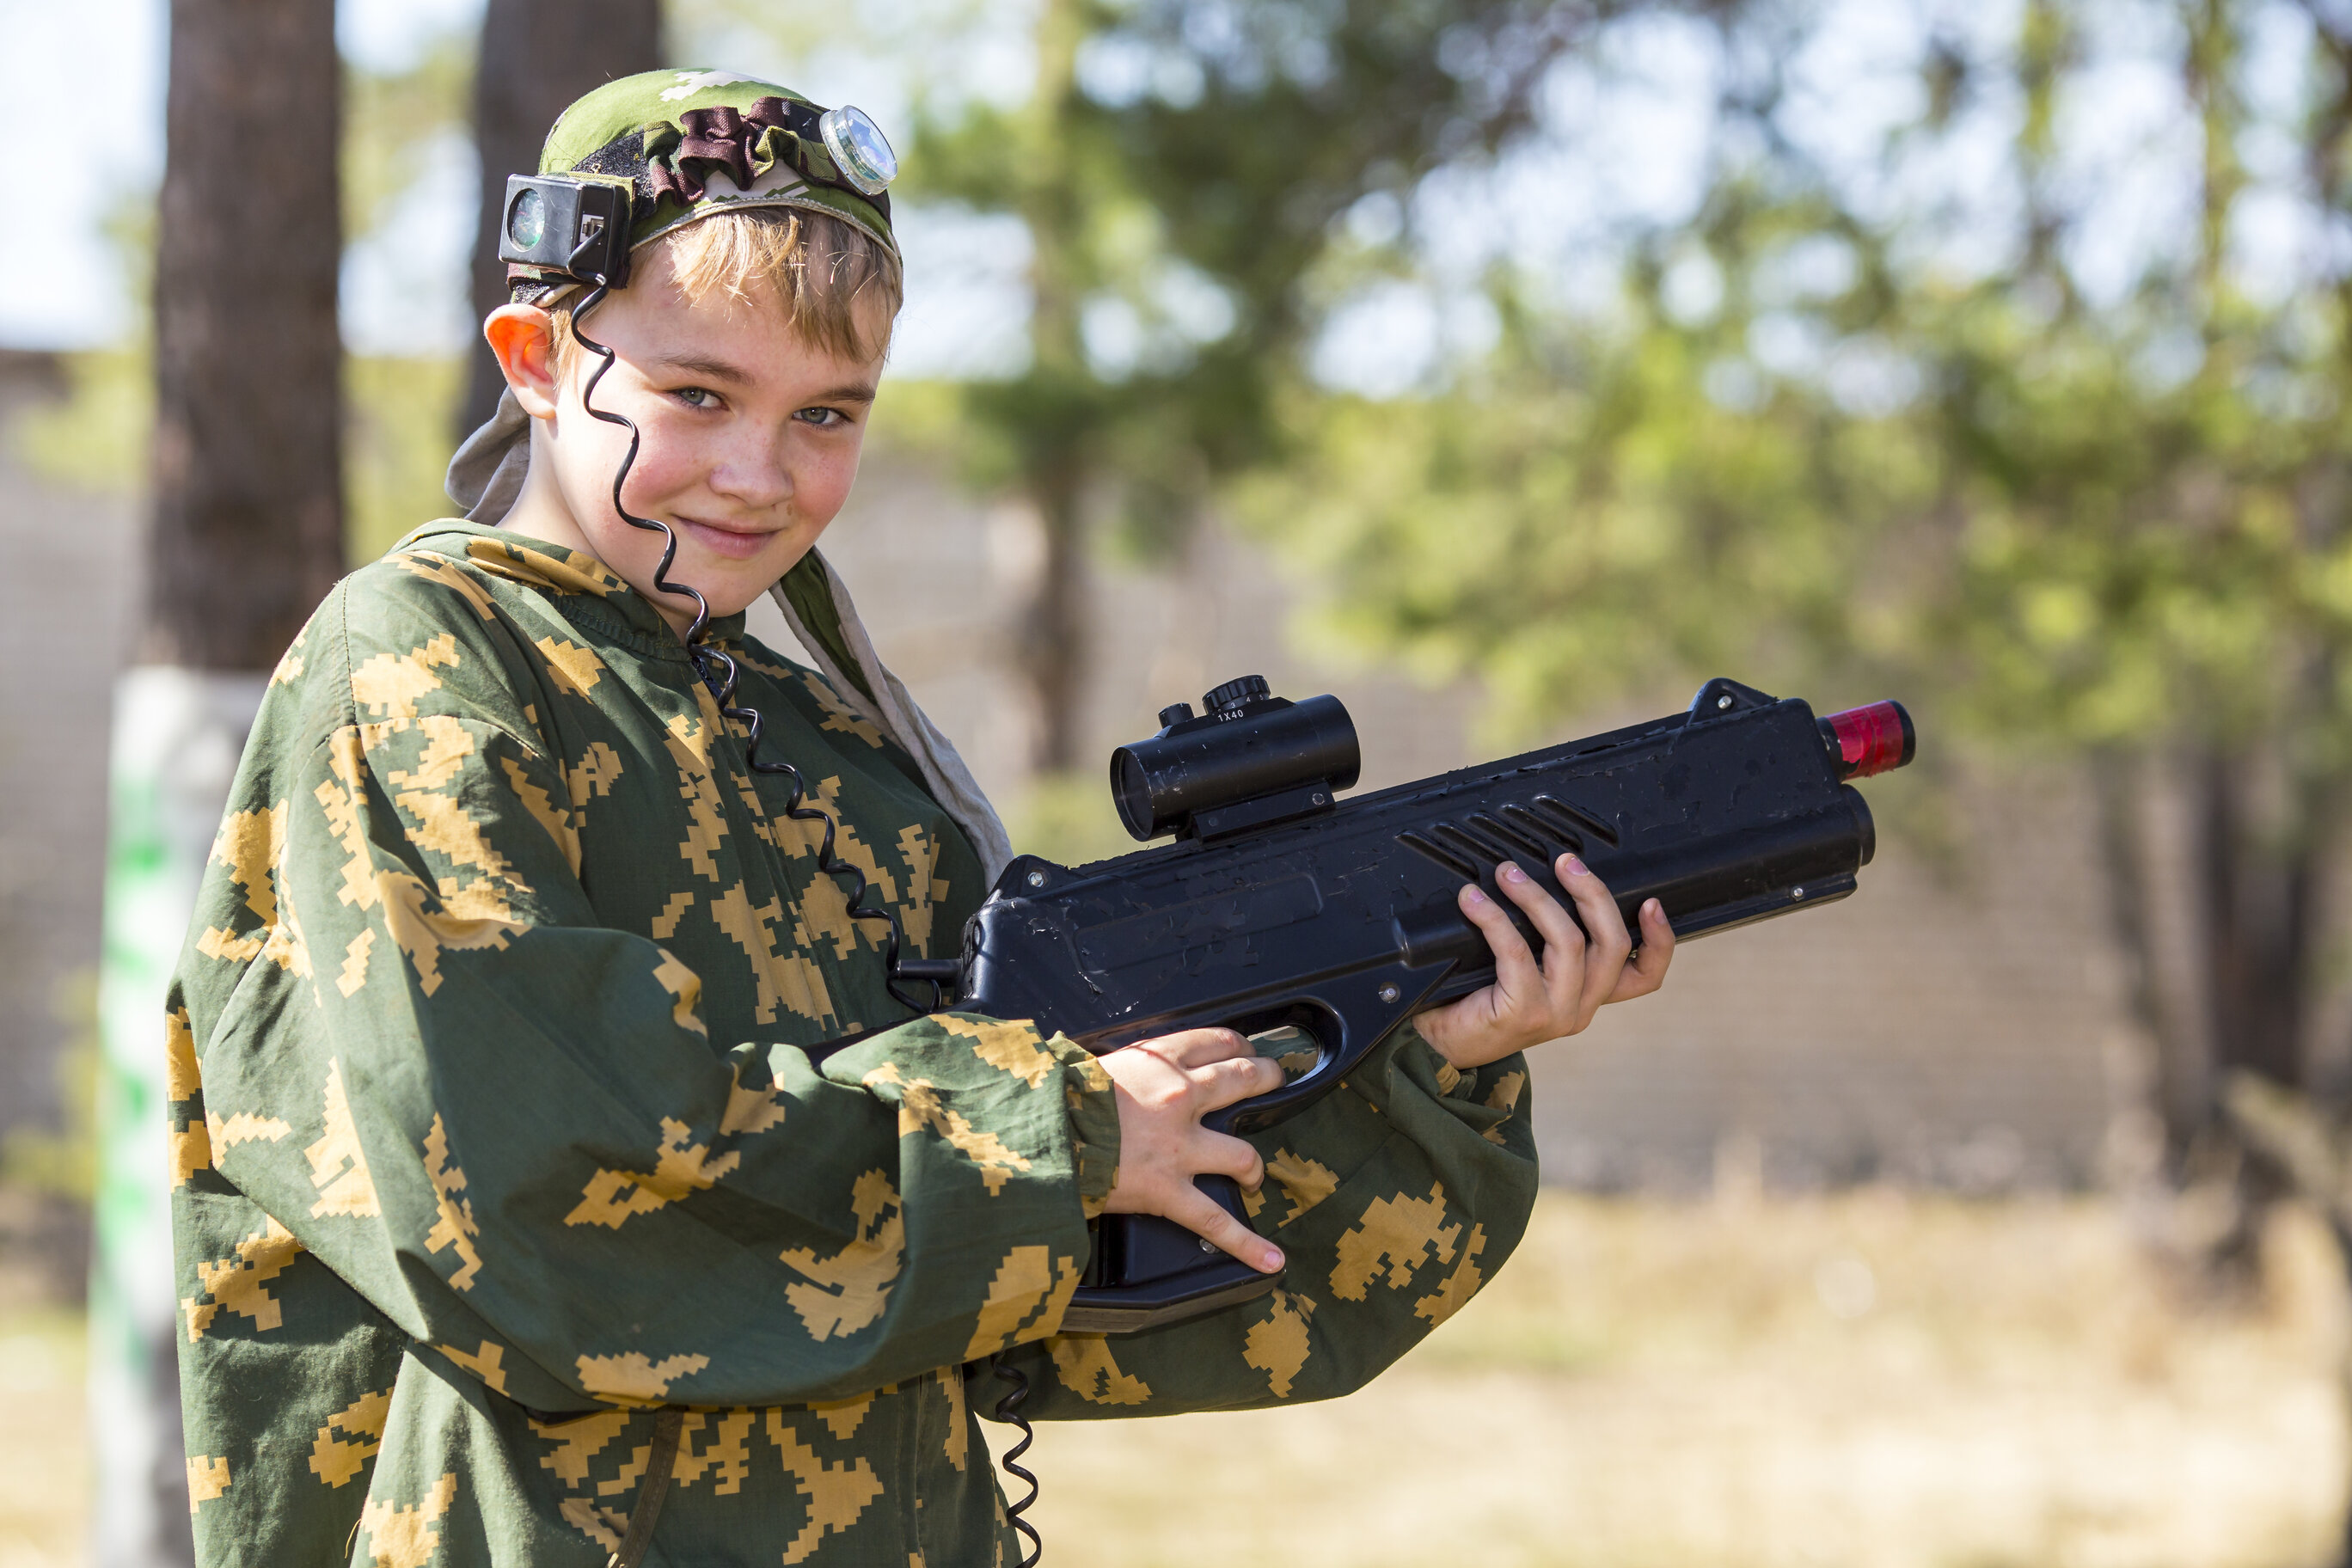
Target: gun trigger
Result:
[1363, 1006]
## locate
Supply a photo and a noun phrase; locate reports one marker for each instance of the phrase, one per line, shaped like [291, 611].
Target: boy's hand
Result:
[1530, 1002]
[1164, 1087]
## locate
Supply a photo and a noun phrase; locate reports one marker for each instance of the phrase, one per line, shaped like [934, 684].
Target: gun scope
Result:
[1250, 759]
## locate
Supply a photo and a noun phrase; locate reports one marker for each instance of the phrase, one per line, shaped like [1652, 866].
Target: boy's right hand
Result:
[1164, 1087]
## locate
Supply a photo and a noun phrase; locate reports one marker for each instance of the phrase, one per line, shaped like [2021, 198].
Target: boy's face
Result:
[749, 438]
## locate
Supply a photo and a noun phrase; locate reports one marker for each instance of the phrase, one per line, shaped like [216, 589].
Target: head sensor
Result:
[859, 149]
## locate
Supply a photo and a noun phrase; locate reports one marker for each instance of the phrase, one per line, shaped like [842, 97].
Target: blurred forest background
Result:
[1508, 367]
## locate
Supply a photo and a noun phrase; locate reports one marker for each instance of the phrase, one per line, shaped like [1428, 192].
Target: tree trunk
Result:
[2260, 878]
[2216, 907]
[2313, 1149]
[1053, 632]
[248, 532]
[2257, 877]
[537, 56]
[1054, 469]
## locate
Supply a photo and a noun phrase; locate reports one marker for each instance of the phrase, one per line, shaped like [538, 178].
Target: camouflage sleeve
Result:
[503, 1124]
[1393, 1199]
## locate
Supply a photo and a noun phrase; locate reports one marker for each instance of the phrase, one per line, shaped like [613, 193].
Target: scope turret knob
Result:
[1232, 694]
[1175, 713]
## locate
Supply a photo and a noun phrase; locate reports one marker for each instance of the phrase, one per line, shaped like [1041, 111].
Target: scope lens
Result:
[527, 220]
[1130, 791]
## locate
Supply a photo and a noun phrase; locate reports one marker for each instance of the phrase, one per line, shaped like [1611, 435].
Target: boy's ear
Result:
[522, 337]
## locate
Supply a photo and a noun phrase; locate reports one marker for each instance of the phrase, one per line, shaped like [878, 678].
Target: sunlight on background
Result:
[1901, 1336]
[1622, 147]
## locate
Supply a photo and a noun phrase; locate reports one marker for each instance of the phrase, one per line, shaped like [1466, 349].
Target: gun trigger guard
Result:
[1364, 1006]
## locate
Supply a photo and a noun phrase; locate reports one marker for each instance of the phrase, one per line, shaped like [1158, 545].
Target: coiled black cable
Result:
[716, 669]
[1008, 1410]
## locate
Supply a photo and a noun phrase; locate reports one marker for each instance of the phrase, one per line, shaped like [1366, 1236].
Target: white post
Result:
[177, 736]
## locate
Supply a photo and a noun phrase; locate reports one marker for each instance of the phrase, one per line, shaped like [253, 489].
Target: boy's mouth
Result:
[734, 543]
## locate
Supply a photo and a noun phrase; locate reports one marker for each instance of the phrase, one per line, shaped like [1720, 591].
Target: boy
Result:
[515, 1222]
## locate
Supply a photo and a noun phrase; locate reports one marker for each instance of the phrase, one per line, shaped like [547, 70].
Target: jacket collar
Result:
[582, 587]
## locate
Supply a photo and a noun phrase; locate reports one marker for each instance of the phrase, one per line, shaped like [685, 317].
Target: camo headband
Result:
[694, 142]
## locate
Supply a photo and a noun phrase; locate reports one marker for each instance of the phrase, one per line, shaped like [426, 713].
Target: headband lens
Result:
[527, 220]
[859, 149]
[560, 224]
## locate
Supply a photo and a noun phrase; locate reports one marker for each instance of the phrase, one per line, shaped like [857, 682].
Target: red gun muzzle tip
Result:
[1871, 740]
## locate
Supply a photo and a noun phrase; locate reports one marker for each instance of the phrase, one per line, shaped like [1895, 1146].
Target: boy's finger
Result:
[1222, 1155]
[1563, 959]
[1647, 971]
[1221, 1083]
[1197, 1213]
[1611, 941]
[1516, 973]
[1199, 1047]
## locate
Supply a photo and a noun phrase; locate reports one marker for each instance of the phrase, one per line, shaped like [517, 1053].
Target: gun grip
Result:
[1145, 1271]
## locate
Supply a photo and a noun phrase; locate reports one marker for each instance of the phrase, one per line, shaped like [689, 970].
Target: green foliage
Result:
[917, 419]
[1590, 525]
[95, 436]
[2137, 561]
[1068, 819]
[396, 448]
[2024, 513]
[1181, 181]
[397, 425]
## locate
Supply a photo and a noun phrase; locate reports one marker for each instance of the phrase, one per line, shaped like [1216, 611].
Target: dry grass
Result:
[1867, 1380]
[44, 1480]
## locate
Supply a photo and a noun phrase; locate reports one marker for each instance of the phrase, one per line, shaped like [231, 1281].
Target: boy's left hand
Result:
[1530, 1002]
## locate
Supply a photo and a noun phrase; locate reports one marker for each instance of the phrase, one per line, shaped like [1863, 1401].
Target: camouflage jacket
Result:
[493, 1130]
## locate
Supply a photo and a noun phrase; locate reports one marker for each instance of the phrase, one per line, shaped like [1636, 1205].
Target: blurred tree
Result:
[1179, 168]
[536, 57]
[248, 475]
[2029, 395]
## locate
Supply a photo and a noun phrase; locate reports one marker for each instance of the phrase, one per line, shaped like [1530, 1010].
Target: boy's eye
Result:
[696, 396]
[822, 418]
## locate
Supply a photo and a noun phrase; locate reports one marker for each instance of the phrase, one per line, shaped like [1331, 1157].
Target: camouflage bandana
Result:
[693, 142]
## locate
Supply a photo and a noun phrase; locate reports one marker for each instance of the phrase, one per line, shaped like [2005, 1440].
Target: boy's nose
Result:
[755, 474]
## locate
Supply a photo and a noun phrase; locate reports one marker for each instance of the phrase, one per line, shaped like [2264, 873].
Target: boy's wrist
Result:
[1452, 1082]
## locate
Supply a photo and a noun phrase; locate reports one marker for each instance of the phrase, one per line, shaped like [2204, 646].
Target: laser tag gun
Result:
[1280, 904]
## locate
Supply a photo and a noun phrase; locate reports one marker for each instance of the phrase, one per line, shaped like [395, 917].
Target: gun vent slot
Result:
[1528, 843]
[1536, 827]
[1488, 852]
[1446, 857]
[1572, 820]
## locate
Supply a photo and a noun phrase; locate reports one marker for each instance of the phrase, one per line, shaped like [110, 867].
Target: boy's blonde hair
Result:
[839, 287]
